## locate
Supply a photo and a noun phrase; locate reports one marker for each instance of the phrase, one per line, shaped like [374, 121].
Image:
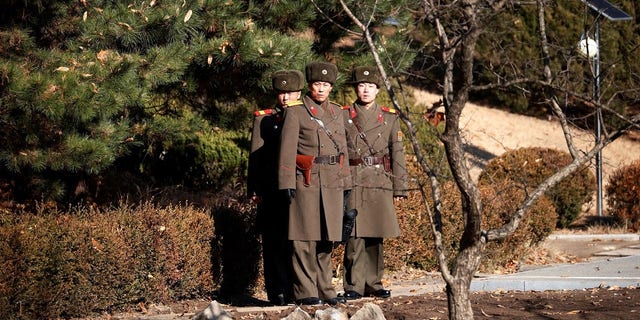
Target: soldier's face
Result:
[366, 92]
[319, 91]
[285, 97]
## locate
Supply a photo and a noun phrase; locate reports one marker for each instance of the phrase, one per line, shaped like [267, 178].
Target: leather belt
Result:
[367, 161]
[332, 159]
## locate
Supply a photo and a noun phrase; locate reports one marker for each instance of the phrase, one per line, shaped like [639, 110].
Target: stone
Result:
[370, 311]
[331, 314]
[213, 311]
[298, 314]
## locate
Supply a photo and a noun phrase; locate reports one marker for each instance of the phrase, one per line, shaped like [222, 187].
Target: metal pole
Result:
[596, 98]
[606, 9]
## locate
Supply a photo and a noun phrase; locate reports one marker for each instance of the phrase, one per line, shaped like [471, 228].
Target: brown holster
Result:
[386, 159]
[304, 163]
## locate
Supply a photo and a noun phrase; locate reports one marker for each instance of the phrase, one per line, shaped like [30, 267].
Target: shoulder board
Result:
[294, 103]
[345, 107]
[389, 110]
[263, 112]
[335, 104]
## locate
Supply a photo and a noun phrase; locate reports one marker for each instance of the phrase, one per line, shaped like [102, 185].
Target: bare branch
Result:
[333, 21]
[548, 79]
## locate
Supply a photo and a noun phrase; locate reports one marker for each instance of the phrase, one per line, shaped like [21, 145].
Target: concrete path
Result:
[617, 266]
[611, 260]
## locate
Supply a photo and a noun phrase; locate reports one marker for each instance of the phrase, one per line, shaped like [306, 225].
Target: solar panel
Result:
[607, 9]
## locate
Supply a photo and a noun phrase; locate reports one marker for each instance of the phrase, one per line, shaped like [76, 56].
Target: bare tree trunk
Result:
[465, 265]
[458, 302]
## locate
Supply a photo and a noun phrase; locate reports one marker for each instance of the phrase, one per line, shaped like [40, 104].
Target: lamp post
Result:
[606, 9]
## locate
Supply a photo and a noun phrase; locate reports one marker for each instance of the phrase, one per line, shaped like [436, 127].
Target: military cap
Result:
[287, 80]
[366, 74]
[321, 71]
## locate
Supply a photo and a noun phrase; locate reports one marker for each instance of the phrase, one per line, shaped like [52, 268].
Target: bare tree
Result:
[456, 46]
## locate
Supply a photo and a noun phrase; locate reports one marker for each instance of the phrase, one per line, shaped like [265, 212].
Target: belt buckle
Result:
[368, 161]
[333, 159]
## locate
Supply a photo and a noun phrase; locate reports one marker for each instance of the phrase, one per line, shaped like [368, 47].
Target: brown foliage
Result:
[415, 247]
[500, 202]
[623, 194]
[528, 167]
[70, 264]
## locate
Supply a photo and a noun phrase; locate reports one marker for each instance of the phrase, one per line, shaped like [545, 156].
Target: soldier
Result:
[262, 186]
[377, 162]
[314, 174]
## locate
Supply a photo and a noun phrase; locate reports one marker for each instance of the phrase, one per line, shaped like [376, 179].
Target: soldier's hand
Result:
[398, 199]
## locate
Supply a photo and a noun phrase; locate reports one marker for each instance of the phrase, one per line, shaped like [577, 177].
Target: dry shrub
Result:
[415, 247]
[72, 264]
[528, 167]
[623, 195]
[499, 204]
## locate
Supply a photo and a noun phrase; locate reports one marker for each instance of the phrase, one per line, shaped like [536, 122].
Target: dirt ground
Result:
[600, 303]
[489, 132]
[597, 303]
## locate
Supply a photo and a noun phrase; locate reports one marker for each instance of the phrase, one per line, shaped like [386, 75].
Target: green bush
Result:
[623, 194]
[528, 167]
[62, 265]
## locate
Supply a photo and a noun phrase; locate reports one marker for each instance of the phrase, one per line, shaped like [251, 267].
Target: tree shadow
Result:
[236, 255]
[479, 157]
[591, 221]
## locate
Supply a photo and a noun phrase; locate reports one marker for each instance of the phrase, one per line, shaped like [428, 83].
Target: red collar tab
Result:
[313, 110]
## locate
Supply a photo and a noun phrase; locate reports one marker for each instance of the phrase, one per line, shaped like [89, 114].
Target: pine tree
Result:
[158, 90]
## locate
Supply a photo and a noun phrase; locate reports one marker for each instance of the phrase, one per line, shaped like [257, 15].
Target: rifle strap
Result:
[363, 136]
[324, 128]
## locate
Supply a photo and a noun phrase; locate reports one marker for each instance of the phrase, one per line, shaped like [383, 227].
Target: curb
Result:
[582, 237]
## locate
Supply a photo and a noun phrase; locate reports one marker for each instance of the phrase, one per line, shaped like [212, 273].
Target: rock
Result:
[369, 311]
[298, 314]
[331, 314]
[213, 312]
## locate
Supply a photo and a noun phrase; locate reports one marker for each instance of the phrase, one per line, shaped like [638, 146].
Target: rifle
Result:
[348, 219]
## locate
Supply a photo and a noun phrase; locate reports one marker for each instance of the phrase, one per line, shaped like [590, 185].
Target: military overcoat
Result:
[316, 211]
[373, 186]
[265, 145]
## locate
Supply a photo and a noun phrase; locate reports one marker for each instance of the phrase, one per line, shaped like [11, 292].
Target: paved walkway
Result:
[614, 260]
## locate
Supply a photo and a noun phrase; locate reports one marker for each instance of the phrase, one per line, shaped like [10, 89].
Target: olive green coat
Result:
[374, 188]
[301, 134]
